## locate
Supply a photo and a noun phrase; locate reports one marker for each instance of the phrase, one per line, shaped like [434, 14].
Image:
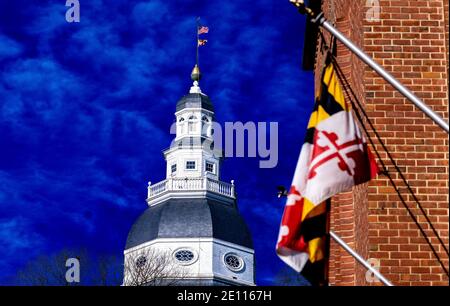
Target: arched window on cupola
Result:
[181, 125]
[192, 122]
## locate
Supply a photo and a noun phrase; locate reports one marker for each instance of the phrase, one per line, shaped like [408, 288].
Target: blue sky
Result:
[85, 110]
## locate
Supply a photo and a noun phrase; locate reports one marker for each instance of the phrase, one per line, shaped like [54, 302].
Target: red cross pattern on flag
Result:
[337, 160]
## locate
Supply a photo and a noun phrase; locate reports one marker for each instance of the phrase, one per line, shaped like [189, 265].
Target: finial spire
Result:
[196, 74]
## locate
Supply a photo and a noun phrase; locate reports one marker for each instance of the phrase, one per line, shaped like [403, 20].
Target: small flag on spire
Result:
[202, 42]
[203, 30]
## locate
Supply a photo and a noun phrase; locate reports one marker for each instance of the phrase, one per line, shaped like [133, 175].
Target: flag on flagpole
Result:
[202, 42]
[203, 30]
[333, 158]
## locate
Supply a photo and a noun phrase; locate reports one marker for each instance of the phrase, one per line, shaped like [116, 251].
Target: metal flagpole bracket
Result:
[320, 20]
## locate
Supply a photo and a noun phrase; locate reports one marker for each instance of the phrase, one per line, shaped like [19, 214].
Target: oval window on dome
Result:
[184, 256]
[233, 262]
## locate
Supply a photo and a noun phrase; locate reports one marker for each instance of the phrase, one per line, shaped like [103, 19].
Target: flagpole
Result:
[198, 37]
[360, 259]
[321, 21]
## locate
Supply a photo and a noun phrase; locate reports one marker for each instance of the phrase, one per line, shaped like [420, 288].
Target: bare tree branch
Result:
[50, 270]
[150, 267]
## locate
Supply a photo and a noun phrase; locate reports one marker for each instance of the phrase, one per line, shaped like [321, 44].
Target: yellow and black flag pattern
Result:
[202, 42]
[333, 158]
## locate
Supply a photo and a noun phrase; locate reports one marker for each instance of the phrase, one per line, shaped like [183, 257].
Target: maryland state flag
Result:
[201, 42]
[333, 158]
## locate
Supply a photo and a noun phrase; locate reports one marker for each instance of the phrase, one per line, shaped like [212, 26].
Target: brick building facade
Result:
[410, 40]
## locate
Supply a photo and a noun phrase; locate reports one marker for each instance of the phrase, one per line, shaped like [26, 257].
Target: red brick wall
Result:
[411, 41]
[446, 21]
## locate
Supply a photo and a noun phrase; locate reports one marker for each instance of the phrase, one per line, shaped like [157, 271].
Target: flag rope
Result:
[352, 97]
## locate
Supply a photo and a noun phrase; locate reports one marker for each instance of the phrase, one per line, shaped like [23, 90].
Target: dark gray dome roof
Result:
[195, 100]
[190, 218]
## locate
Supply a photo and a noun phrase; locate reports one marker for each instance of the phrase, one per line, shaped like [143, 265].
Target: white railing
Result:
[191, 184]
